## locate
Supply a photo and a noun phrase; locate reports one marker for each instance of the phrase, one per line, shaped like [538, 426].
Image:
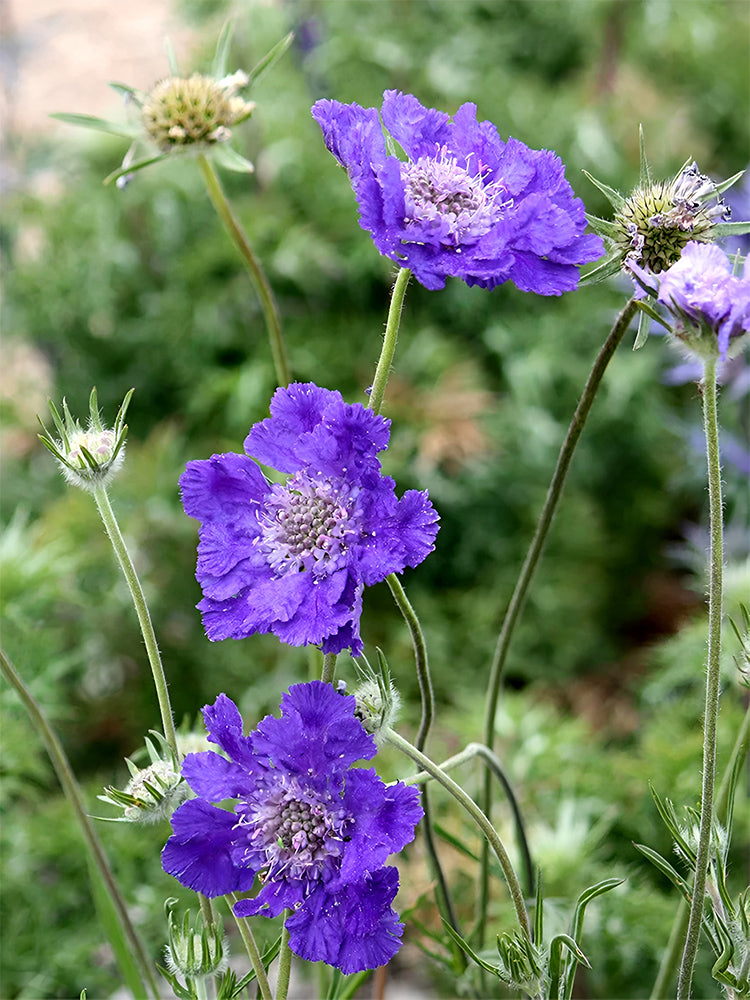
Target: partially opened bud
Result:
[88, 458]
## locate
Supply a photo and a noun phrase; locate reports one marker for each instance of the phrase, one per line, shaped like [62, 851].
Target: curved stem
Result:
[144, 618]
[532, 557]
[420, 658]
[388, 349]
[73, 794]
[251, 948]
[443, 897]
[711, 428]
[492, 761]
[273, 324]
[514, 886]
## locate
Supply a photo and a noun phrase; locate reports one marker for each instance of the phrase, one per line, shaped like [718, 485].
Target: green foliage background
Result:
[141, 288]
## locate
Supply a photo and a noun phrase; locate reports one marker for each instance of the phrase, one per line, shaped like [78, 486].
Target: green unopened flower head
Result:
[195, 951]
[652, 226]
[153, 792]
[378, 701]
[195, 111]
[88, 457]
[185, 114]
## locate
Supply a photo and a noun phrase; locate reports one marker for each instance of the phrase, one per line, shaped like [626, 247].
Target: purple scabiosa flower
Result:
[464, 203]
[293, 559]
[315, 831]
[711, 306]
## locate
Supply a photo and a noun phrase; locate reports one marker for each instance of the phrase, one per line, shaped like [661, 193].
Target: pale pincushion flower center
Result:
[306, 525]
[293, 829]
[448, 201]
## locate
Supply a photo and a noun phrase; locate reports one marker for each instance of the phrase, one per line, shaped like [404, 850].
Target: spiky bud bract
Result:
[88, 458]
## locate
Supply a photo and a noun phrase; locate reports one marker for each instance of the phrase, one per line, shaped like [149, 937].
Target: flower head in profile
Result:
[709, 306]
[315, 831]
[294, 558]
[463, 203]
[181, 114]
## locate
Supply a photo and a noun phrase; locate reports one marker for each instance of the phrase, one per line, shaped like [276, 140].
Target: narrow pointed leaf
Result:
[465, 947]
[615, 199]
[132, 167]
[270, 58]
[644, 325]
[98, 124]
[665, 868]
[725, 185]
[221, 55]
[645, 170]
[230, 159]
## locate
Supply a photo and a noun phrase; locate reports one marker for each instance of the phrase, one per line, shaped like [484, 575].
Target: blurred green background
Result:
[142, 288]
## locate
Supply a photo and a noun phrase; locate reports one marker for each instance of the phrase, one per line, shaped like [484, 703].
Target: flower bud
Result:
[378, 701]
[153, 792]
[194, 950]
[87, 458]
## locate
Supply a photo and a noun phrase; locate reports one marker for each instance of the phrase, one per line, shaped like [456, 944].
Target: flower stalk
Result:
[240, 240]
[383, 370]
[532, 557]
[243, 926]
[711, 712]
[481, 820]
[101, 498]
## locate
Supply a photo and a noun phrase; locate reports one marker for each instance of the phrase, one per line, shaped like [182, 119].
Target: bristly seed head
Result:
[196, 110]
[657, 221]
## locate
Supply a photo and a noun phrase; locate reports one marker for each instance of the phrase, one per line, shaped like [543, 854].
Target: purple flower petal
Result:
[354, 929]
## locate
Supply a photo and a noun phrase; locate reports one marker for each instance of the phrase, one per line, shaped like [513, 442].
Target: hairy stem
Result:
[390, 338]
[465, 800]
[240, 240]
[104, 507]
[711, 712]
[532, 557]
[243, 926]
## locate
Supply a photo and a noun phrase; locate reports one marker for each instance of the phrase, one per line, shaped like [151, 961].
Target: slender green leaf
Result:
[270, 58]
[98, 124]
[230, 159]
[221, 54]
[615, 199]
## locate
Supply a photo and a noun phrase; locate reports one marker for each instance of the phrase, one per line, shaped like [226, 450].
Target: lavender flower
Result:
[711, 305]
[294, 559]
[465, 203]
[316, 831]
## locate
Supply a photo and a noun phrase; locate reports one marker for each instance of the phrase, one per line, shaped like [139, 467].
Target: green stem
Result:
[285, 966]
[420, 658]
[390, 338]
[670, 960]
[514, 886]
[252, 950]
[227, 216]
[329, 668]
[492, 761]
[532, 557]
[144, 618]
[74, 796]
[711, 428]
[443, 896]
